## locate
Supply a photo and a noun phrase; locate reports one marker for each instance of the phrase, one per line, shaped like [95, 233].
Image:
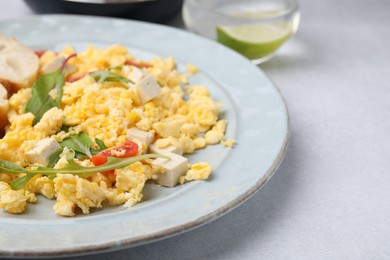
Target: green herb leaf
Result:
[102, 76]
[101, 146]
[113, 163]
[80, 143]
[83, 143]
[20, 182]
[65, 128]
[71, 168]
[116, 68]
[54, 157]
[9, 167]
[41, 101]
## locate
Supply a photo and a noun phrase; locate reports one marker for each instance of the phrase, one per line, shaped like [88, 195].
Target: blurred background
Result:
[146, 10]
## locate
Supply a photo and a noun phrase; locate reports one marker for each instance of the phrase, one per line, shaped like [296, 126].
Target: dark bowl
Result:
[152, 11]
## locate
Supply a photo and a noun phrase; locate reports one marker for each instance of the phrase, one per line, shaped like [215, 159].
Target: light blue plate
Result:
[257, 118]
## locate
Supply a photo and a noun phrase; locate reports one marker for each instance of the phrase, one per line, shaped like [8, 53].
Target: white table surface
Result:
[330, 198]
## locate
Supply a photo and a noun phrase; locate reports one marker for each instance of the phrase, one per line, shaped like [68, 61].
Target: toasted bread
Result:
[19, 65]
[4, 106]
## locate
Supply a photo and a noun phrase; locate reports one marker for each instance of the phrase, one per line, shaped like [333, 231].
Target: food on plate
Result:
[94, 126]
[3, 106]
[18, 64]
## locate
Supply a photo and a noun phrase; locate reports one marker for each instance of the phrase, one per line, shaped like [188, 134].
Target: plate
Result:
[257, 117]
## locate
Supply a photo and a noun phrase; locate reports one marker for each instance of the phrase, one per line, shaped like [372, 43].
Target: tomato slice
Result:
[125, 150]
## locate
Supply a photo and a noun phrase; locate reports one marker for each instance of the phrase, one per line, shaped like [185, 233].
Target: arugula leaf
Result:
[101, 146]
[116, 68]
[41, 101]
[12, 168]
[82, 145]
[113, 163]
[65, 128]
[20, 182]
[71, 168]
[54, 157]
[102, 76]
[9, 167]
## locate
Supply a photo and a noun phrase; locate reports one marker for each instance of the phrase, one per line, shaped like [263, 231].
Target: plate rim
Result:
[176, 230]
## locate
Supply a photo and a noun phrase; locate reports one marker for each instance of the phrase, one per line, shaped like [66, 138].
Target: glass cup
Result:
[254, 28]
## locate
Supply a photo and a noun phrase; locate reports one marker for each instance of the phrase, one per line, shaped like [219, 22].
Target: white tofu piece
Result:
[153, 148]
[136, 75]
[42, 151]
[143, 136]
[55, 64]
[174, 168]
[147, 88]
[145, 84]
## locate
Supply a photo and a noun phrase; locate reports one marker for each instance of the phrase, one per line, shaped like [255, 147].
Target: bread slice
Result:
[18, 65]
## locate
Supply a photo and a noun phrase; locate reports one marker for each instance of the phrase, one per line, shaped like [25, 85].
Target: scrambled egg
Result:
[14, 201]
[185, 120]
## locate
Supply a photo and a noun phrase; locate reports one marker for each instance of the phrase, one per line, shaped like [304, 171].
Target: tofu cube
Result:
[174, 168]
[145, 84]
[143, 136]
[42, 151]
[167, 150]
[136, 75]
[53, 65]
[57, 63]
[147, 88]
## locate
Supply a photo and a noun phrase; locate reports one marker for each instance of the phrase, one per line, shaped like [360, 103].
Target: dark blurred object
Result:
[150, 10]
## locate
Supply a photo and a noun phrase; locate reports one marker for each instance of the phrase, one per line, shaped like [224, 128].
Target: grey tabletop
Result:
[330, 198]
